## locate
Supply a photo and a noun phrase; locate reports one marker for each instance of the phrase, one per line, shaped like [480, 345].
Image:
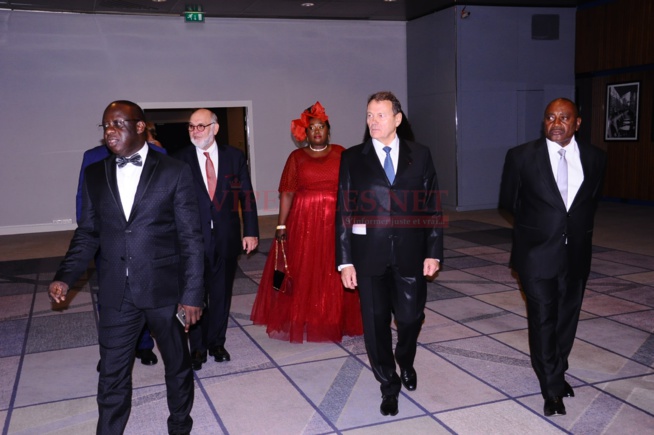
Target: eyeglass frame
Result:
[116, 123]
[200, 127]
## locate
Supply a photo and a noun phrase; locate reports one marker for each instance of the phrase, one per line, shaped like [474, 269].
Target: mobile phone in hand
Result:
[181, 316]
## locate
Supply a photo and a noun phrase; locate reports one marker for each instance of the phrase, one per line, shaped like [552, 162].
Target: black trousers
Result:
[120, 329]
[553, 307]
[382, 297]
[211, 330]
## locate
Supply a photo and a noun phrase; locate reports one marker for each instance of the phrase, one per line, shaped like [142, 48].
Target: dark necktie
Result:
[388, 165]
[134, 160]
[211, 176]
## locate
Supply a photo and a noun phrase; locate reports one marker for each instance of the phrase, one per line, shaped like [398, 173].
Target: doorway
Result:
[171, 125]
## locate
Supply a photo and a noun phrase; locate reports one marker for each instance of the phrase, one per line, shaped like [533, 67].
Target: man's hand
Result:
[57, 291]
[349, 277]
[430, 267]
[250, 244]
[193, 315]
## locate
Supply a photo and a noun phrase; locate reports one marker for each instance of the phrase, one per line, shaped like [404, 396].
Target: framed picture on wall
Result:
[622, 100]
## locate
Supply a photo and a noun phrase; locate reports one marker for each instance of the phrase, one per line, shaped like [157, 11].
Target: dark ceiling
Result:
[398, 10]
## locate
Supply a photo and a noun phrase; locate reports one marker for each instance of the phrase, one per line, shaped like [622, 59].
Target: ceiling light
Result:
[308, 5]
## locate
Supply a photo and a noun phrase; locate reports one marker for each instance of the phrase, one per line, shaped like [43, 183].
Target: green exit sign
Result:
[194, 13]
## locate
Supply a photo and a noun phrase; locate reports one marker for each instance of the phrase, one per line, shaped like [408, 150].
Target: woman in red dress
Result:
[317, 307]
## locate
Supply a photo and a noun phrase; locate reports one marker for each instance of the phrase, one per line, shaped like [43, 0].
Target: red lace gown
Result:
[318, 307]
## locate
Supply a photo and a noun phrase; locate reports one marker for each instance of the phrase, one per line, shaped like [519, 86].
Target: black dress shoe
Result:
[197, 359]
[147, 357]
[409, 378]
[568, 391]
[553, 406]
[220, 354]
[389, 404]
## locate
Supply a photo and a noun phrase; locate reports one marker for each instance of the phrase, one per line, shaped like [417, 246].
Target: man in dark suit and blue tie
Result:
[139, 209]
[221, 182]
[552, 186]
[389, 237]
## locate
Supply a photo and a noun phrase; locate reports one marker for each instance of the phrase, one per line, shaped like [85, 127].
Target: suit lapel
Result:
[223, 169]
[149, 168]
[194, 163]
[112, 184]
[586, 166]
[404, 159]
[544, 168]
[370, 159]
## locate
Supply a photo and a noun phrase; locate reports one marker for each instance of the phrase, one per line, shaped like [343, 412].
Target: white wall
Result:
[59, 71]
[478, 86]
[431, 55]
[504, 79]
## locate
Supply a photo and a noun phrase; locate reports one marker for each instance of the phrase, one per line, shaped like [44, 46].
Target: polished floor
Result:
[474, 375]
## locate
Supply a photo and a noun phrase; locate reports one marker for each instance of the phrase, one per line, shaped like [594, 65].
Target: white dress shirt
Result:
[575, 171]
[202, 160]
[395, 151]
[128, 178]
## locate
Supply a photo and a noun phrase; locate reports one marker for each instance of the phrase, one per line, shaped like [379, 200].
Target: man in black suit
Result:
[551, 186]
[389, 236]
[96, 154]
[222, 186]
[139, 209]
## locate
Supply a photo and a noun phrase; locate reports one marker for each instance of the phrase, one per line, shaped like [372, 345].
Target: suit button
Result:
[128, 231]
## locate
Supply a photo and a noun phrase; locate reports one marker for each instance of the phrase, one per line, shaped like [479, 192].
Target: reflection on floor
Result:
[474, 374]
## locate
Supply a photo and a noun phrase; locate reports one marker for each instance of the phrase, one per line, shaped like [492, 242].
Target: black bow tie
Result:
[134, 160]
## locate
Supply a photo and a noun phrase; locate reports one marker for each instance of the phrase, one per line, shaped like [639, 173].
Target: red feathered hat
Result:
[299, 126]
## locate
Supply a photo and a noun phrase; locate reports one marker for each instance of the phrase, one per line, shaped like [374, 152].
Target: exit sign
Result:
[194, 13]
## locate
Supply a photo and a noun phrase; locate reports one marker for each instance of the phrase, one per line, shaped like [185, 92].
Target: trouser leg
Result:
[376, 308]
[118, 334]
[409, 297]
[177, 364]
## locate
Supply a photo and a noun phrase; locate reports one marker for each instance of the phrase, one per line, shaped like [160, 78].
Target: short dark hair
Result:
[387, 96]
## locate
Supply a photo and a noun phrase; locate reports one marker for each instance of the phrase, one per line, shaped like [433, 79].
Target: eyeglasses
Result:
[199, 127]
[317, 127]
[117, 123]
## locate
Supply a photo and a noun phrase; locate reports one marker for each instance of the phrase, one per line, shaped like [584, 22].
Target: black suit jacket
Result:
[541, 222]
[160, 243]
[403, 220]
[233, 191]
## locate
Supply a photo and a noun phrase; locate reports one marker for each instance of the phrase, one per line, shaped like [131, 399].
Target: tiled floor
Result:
[474, 375]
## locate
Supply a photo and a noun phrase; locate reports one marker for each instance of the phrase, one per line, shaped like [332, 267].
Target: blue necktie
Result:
[388, 165]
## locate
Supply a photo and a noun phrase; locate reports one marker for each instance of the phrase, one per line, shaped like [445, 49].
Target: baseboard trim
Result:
[37, 228]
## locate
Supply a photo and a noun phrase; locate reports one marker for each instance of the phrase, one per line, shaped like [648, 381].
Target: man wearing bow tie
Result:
[139, 209]
[146, 343]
